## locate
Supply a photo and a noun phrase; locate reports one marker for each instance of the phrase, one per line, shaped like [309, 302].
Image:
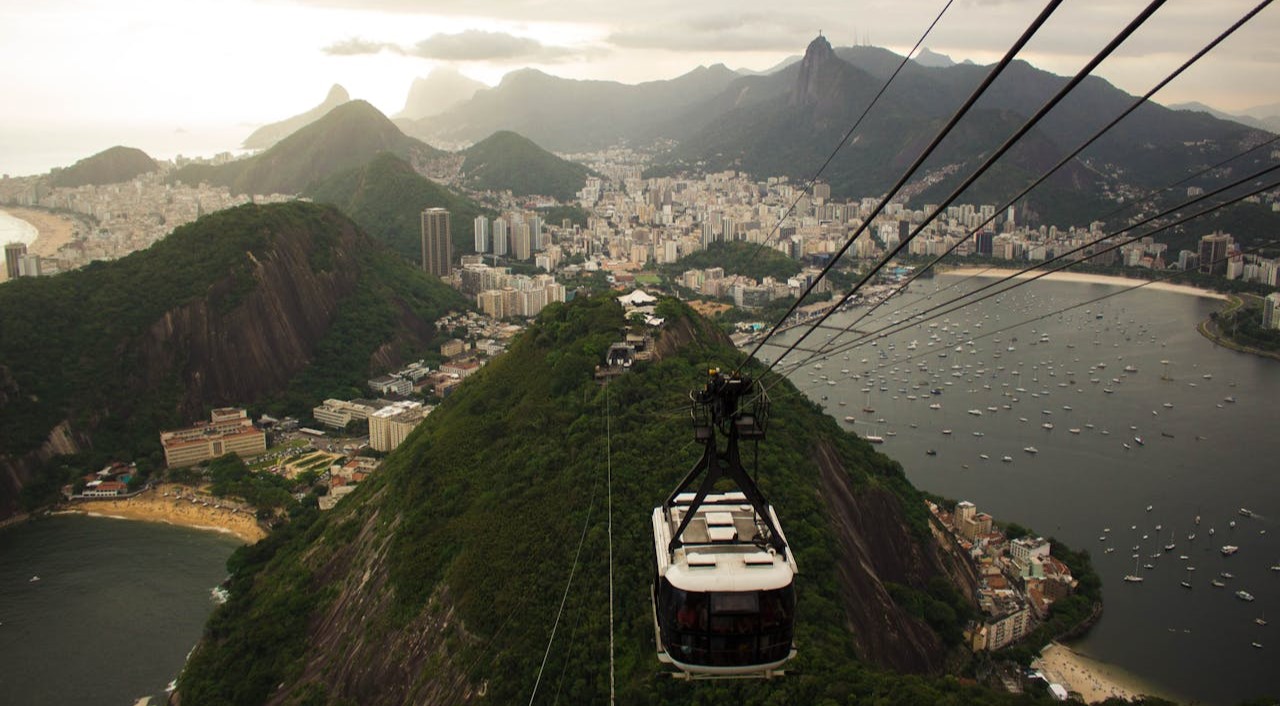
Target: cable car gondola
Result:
[724, 584]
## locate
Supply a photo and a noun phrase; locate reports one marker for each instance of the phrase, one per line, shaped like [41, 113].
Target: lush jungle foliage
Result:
[507, 161]
[737, 258]
[504, 522]
[386, 198]
[72, 344]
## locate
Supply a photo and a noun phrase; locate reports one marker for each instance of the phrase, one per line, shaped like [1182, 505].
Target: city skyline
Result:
[193, 65]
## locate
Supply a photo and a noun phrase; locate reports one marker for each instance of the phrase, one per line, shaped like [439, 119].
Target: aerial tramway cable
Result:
[1061, 163]
[1155, 280]
[990, 161]
[934, 312]
[977, 93]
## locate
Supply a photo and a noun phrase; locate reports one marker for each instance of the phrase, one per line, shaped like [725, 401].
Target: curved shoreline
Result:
[178, 505]
[1086, 278]
[52, 230]
[1210, 330]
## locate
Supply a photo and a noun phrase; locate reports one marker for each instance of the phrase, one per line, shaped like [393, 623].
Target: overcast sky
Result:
[185, 63]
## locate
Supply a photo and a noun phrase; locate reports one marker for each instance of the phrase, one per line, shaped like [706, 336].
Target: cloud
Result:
[470, 45]
[479, 45]
[734, 31]
[356, 47]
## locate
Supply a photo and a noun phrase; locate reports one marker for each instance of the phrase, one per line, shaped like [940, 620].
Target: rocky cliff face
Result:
[227, 357]
[234, 309]
[877, 546]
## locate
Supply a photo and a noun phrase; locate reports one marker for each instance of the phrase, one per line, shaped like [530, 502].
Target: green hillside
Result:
[346, 137]
[278, 306]
[386, 198]
[438, 581]
[109, 166]
[505, 160]
[738, 258]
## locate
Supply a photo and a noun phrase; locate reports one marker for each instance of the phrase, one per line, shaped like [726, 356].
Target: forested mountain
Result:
[346, 137]
[505, 160]
[269, 134]
[566, 115]
[278, 305]
[437, 581]
[386, 198]
[786, 123]
[109, 166]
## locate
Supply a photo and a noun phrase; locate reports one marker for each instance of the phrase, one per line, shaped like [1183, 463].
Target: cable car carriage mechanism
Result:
[724, 584]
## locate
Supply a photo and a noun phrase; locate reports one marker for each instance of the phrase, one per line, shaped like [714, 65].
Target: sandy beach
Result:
[1086, 278]
[54, 230]
[1095, 681]
[173, 504]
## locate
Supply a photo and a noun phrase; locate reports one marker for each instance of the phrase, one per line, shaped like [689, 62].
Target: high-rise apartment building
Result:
[1271, 311]
[437, 244]
[483, 244]
[500, 238]
[13, 254]
[1213, 253]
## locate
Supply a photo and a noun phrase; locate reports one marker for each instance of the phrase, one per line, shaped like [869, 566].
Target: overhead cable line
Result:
[1155, 280]
[921, 318]
[991, 160]
[1063, 162]
[990, 78]
[849, 133]
[1153, 193]
[564, 598]
[608, 465]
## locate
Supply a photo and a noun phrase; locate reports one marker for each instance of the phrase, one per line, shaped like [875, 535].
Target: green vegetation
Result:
[1241, 324]
[346, 137]
[557, 215]
[505, 160]
[266, 492]
[737, 258]
[77, 346]
[386, 197]
[109, 166]
[430, 511]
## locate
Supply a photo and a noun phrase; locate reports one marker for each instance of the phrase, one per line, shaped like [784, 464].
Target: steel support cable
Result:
[977, 93]
[1055, 312]
[1130, 204]
[608, 465]
[1061, 163]
[1208, 195]
[989, 162]
[849, 133]
[922, 318]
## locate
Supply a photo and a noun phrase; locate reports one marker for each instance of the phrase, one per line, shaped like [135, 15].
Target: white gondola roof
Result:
[719, 551]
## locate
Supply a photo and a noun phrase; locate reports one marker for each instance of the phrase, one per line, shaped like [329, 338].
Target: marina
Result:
[1096, 456]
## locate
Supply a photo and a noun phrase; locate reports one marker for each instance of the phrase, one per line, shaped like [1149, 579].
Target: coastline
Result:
[1085, 278]
[52, 230]
[1093, 680]
[180, 505]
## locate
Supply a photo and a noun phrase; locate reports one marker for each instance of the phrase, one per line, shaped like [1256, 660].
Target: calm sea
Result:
[117, 607]
[1201, 456]
[16, 230]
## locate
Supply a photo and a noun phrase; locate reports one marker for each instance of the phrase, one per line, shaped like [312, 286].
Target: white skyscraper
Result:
[500, 239]
[483, 244]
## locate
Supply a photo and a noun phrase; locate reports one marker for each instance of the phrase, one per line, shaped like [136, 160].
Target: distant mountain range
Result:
[566, 115]
[109, 166]
[346, 137]
[442, 89]
[1263, 117]
[267, 135]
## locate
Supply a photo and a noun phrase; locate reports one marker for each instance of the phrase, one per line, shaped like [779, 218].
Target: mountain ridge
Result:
[267, 135]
